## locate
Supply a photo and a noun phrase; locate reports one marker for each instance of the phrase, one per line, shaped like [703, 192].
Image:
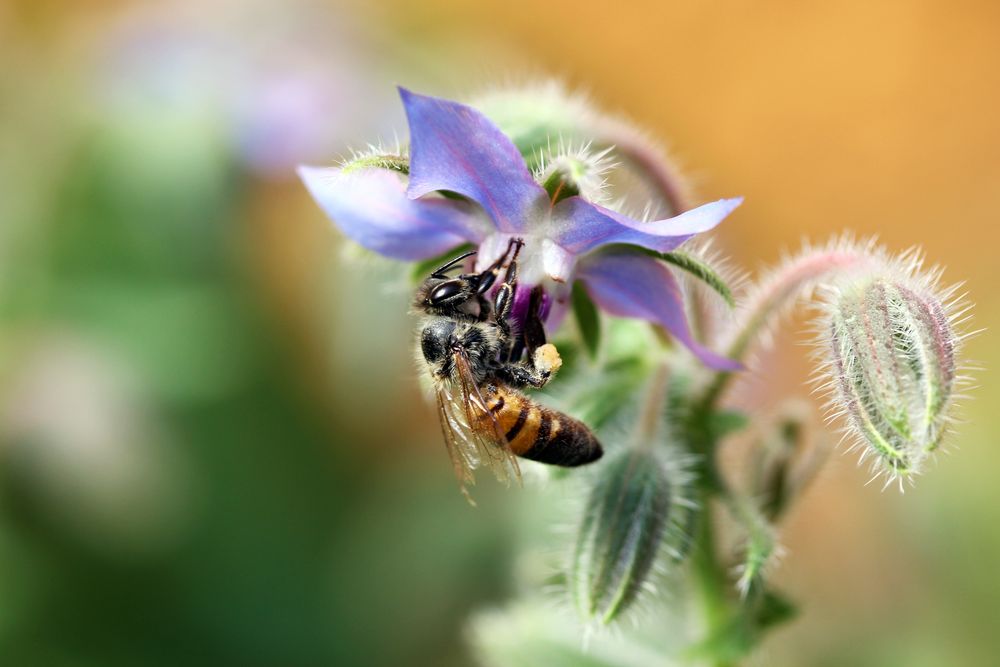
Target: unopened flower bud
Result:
[892, 365]
[573, 172]
[634, 514]
[378, 157]
[532, 115]
[782, 465]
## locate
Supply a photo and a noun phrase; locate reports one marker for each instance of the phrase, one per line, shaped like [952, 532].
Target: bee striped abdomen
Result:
[541, 434]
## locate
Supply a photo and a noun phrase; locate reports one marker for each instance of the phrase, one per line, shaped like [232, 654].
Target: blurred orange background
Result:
[152, 232]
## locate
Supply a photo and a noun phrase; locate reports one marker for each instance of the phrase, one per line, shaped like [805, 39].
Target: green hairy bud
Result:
[378, 157]
[572, 172]
[537, 116]
[892, 366]
[785, 462]
[635, 513]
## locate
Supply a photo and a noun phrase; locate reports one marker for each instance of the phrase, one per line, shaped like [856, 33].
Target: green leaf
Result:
[775, 609]
[699, 269]
[587, 319]
[626, 339]
[728, 643]
[738, 636]
[609, 393]
[529, 634]
[727, 422]
[421, 270]
[677, 405]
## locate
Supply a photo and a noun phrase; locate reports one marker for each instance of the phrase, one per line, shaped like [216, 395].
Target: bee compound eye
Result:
[445, 291]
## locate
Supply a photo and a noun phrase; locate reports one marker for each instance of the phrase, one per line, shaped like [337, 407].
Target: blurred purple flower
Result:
[263, 81]
[456, 149]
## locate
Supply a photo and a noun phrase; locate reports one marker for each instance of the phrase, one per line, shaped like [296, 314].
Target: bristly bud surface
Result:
[574, 172]
[891, 344]
[636, 513]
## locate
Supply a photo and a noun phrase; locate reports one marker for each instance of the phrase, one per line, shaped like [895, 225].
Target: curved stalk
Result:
[779, 291]
[659, 172]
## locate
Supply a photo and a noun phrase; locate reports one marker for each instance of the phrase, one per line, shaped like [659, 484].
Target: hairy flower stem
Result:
[650, 420]
[710, 578]
[778, 292]
[774, 296]
[659, 172]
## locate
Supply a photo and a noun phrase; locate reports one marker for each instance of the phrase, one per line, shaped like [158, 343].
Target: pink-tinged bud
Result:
[891, 349]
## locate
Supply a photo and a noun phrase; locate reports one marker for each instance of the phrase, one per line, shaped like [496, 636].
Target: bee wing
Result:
[472, 433]
[455, 438]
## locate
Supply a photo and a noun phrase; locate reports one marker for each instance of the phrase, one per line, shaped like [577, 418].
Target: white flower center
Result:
[540, 258]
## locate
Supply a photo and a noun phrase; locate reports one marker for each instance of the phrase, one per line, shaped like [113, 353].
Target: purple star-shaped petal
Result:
[628, 284]
[456, 149]
[580, 226]
[371, 206]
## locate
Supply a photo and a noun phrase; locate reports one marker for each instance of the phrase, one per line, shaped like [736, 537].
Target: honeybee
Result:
[474, 360]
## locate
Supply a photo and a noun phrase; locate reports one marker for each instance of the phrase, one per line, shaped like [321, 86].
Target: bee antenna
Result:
[439, 273]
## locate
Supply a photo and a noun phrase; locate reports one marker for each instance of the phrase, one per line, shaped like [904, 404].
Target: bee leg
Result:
[545, 362]
[504, 299]
[534, 330]
[485, 280]
[503, 302]
[520, 375]
[543, 359]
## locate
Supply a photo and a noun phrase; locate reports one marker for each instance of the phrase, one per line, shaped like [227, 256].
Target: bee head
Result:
[441, 294]
[446, 296]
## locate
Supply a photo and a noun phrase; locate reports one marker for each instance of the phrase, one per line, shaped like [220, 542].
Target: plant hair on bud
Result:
[637, 521]
[889, 348]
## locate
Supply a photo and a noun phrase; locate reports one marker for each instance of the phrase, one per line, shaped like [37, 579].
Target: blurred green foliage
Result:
[183, 481]
[227, 520]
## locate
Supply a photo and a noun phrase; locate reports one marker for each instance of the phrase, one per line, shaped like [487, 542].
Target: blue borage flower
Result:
[456, 150]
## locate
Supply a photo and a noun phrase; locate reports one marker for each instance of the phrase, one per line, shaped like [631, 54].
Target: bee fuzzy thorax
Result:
[440, 337]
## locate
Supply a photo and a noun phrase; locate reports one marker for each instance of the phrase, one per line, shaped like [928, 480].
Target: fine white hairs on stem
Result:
[710, 316]
[794, 279]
